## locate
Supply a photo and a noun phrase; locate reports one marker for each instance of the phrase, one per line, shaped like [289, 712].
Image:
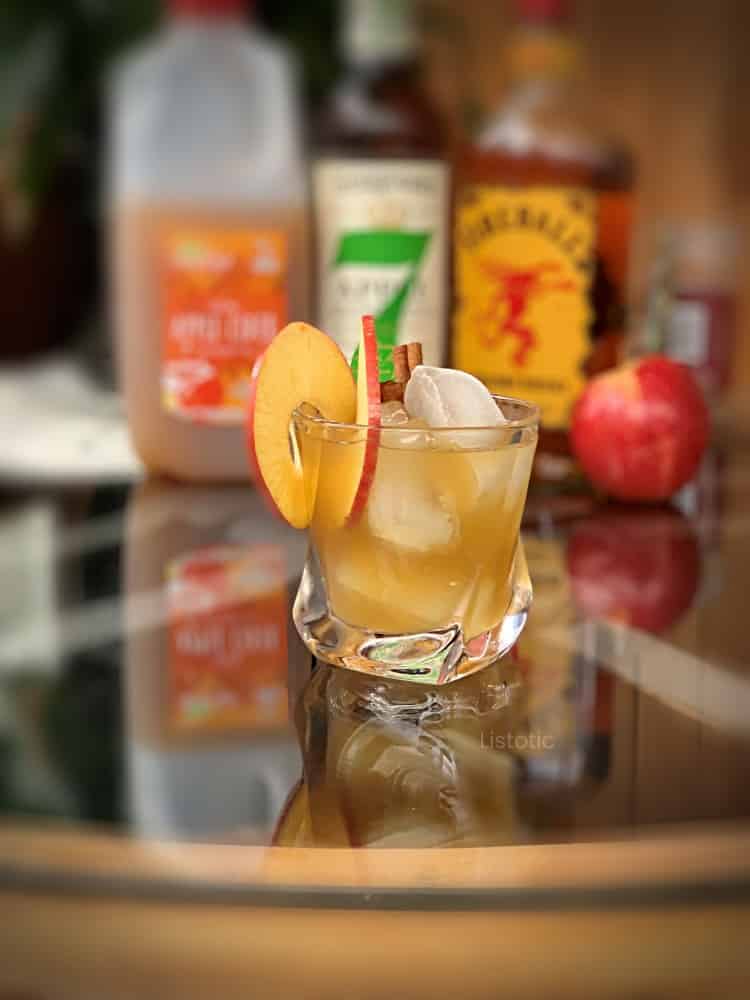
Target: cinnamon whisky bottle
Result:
[541, 236]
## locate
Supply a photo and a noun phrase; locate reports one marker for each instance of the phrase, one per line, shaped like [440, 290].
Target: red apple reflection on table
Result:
[639, 431]
[636, 565]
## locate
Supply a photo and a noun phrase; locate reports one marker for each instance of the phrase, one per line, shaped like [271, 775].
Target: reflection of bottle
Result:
[208, 232]
[702, 500]
[387, 767]
[541, 237]
[381, 190]
[555, 684]
[568, 696]
[208, 577]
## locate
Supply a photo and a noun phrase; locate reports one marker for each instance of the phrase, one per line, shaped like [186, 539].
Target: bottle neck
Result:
[378, 33]
[544, 56]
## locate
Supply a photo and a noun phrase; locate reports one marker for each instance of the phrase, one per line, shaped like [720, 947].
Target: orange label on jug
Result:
[224, 296]
[227, 614]
[524, 267]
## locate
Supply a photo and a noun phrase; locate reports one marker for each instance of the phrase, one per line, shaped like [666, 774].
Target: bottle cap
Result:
[373, 31]
[545, 10]
[207, 8]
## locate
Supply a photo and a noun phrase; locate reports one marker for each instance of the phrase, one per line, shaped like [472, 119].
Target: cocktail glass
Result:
[427, 581]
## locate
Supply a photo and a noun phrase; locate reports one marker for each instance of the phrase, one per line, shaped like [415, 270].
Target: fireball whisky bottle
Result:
[541, 236]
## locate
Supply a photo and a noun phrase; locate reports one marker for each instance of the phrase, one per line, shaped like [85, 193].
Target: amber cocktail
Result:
[431, 567]
[415, 568]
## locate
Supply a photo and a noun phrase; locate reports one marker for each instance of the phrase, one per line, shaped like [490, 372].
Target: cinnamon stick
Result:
[406, 357]
[391, 392]
[401, 370]
[413, 355]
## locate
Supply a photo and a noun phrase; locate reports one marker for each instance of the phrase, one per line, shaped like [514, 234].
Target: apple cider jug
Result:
[207, 212]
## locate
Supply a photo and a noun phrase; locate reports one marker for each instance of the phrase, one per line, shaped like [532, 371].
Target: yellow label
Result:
[524, 266]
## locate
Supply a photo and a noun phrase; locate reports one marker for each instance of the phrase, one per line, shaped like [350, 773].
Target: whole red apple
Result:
[637, 566]
[639, 431]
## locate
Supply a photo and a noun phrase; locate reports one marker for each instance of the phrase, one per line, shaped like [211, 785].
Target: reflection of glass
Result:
[427, 581]
[385, 767]
[208, 579]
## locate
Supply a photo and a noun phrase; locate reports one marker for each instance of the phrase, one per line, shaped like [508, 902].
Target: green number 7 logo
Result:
[380, 248]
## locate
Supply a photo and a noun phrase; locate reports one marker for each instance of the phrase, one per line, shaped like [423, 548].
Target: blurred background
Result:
[672, 79]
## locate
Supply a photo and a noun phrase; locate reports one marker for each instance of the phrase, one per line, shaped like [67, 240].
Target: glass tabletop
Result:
[163, 731]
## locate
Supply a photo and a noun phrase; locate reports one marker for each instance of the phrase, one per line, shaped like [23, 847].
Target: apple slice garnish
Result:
[368, 413]
[300, 365]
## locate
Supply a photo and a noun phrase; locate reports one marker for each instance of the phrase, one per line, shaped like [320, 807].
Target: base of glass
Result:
[438, 656]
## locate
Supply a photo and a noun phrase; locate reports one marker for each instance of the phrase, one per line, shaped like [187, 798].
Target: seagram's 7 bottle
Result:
[381, 190]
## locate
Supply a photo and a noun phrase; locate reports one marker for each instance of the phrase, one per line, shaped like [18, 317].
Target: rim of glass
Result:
[530, 420]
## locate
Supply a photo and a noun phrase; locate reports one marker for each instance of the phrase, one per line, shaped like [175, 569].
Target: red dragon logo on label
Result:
[513, 290]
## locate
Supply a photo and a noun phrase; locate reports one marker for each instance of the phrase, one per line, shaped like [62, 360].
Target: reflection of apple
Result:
[639, 431]
[638, 566]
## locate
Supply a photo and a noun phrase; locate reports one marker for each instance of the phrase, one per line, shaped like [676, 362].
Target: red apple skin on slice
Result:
[368, 412]
[301, 364]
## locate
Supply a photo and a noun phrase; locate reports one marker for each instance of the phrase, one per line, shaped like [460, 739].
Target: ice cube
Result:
[443, 397]
[519, 480]
[404, 507]
[446, 398]
[394, 417]
[502, 473]
[376, 585]
[492, 469]
[393, 414]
